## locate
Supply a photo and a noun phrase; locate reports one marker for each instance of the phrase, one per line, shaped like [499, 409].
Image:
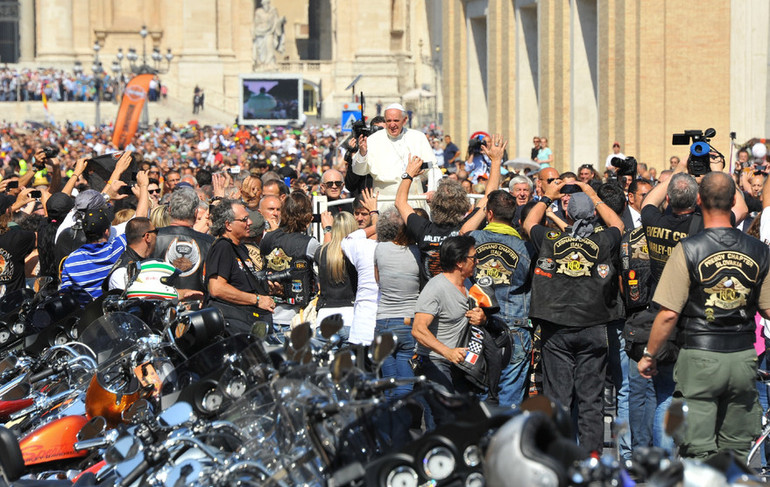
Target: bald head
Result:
[548, 173]
[717, 192]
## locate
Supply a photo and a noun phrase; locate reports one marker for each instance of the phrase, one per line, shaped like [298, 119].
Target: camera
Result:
[50, 153]
[474, 146]
[698, 163]
[359, 128]
[624, 167]
[264, 277]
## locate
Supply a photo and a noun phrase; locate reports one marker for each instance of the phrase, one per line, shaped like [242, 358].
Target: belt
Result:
[719, 342]
[518, 323]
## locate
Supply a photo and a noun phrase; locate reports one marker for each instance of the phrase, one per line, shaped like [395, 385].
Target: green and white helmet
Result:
[148, 284]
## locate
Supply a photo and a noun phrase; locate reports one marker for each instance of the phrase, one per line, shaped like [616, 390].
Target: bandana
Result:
[581, 211]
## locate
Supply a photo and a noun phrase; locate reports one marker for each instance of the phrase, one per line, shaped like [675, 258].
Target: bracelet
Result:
[546, 200]
[596, 205]
[647, 354]
[375, 212]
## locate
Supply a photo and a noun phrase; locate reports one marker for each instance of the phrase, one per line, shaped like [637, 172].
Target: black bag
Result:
[474, 367]
[637, 333]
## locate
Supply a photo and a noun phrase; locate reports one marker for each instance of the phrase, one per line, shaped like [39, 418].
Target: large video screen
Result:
[270, 99]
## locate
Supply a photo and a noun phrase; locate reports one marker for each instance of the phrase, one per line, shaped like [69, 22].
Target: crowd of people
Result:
[498, 282]
[24, 84]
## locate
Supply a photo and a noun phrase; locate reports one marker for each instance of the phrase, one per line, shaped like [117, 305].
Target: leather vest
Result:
[505, 260]
[287, 251]
[575, 281]
[727, 269]
[185, 249]
[635, 270]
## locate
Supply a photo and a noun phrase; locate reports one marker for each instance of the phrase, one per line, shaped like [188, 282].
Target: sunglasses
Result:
[472, 257]
[336, 184]
[153, 191]
[155, 231]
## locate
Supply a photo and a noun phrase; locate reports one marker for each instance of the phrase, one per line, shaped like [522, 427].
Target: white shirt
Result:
[609, 159]
[636, 217]
[360, 251]
[386, 160]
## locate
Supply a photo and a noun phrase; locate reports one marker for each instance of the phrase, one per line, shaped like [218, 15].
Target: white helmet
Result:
[149, 283]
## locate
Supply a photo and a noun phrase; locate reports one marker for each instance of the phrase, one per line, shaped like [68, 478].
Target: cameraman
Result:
[229, 272]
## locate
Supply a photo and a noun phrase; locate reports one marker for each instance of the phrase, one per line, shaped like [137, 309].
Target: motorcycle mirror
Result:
[124, 449]
[341, 365]
[138, 412]
[300, 336]
[675, 420]
[331, 325]
[259, 329]
[382, 346]
[11, 459]
[132, 270]
[177, 414]
[41, 282]
[19, 391]
[93, 428]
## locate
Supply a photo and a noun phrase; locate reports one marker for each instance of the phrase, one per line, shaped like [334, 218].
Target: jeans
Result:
[514, 379]
[618, 364]
[641, 414]
[397, 364]
[574, 366]
[664, 386]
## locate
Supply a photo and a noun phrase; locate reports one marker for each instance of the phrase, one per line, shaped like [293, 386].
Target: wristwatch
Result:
[407, 176]
[327, 229]
[647, 354]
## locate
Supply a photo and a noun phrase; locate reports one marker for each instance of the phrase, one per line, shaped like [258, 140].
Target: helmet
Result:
[150, 283]
[529, 450]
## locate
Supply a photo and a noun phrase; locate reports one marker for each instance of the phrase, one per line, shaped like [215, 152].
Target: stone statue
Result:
[268, 35]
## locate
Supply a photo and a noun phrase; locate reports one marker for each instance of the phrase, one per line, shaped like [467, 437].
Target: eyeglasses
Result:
[154, 230]
[153, 191]
[244, 219]
[337, 184]
[472, 257]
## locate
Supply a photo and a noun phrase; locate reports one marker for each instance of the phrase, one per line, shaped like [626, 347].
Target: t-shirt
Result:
[360, 251]
[223, 261]
[544, 154]
[450, 151]
[429, 237]
[15, 245]
[441, 299]
[399, 271]
[87, 267]
[663, 231]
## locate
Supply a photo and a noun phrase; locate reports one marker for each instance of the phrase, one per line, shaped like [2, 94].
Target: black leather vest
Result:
[727, 269]
[185, 249]
[287, 251]
[575, 280]
[635, 270]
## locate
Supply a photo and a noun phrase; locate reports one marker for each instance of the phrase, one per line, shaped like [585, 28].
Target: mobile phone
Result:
[287, 182]
[12, 185]
[235, 170]
[37, 194]
[316, 218]
[425, 165]
[570, 189]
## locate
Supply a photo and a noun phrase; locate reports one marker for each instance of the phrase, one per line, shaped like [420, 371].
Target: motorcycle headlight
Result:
[18, 328]
[472, 455]
[438, 463]
[211, 401]
[402, 476]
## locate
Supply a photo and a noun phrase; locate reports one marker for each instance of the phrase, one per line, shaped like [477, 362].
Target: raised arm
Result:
[535, 215]
[413, 169]
[606, 213]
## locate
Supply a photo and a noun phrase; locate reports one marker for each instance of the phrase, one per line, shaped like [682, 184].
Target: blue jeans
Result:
[514, 378]
[664, 392]
[397, 364]
[642, 400]
[618, 367]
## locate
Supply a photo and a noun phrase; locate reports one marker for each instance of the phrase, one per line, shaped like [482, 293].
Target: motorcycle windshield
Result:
[113, 335]
[12, 301]
[242, 352]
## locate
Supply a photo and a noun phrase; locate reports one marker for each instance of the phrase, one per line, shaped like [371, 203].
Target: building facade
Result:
[393, 44]
[585, 73]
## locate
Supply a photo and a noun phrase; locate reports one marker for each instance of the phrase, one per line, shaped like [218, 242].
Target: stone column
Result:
[26, 30]
[54, 30]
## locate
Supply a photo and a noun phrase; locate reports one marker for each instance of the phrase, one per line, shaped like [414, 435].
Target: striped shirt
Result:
[87, 267]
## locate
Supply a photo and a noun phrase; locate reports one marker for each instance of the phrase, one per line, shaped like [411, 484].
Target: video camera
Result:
[624, 167]
[264, 277]
[475, 144]
[698, 163]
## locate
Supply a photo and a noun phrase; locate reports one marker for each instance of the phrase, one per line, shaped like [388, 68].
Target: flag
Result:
[48, 115]
[130, 110]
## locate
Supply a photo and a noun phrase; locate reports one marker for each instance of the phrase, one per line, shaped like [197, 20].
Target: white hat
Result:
[395, 106]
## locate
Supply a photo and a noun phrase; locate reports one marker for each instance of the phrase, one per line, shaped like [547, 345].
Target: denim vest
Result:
[506, 259]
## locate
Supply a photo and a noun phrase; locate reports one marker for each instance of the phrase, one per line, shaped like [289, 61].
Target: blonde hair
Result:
[123, 216]
[159, 216]
[344, 224]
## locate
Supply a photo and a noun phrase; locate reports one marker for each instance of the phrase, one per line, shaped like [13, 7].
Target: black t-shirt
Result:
[15, 245]
[754, 204]
[333, 294]
[429, 237]
[231, 263]
[449, 152]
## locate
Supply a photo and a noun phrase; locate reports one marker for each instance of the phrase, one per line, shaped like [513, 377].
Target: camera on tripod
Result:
[699, 161]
